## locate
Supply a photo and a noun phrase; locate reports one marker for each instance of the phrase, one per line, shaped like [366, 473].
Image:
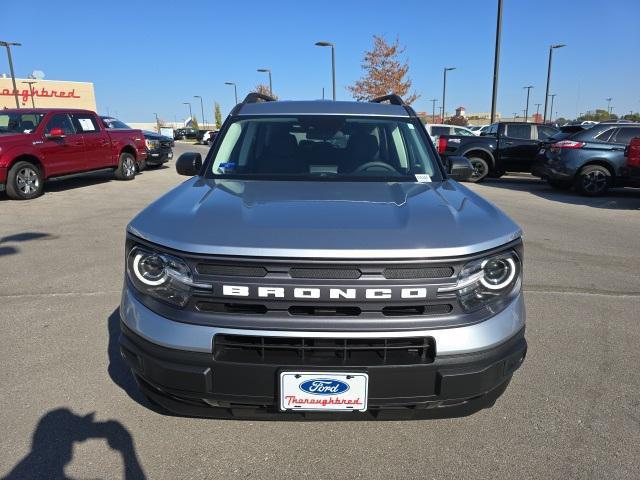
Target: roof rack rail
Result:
[255, 97]
[392, 98]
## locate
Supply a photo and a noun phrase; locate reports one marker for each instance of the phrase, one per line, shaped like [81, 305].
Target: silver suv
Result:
[322, 258]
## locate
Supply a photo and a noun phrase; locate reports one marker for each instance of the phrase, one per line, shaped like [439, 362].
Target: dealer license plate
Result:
[542, 150]
[327, 391]
[170, 155]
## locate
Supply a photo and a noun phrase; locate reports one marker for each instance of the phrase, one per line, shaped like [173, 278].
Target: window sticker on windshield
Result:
[411, 127]
[86, 124]
[423, 178]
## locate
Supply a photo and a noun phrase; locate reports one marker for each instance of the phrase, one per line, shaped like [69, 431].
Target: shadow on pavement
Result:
[615, 199]
[81, 181]
[54, 438]
[17, 238]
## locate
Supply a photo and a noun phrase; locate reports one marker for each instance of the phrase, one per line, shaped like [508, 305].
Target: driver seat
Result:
[361, 148]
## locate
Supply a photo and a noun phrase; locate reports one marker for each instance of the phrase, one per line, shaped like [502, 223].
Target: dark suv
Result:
[590, 160]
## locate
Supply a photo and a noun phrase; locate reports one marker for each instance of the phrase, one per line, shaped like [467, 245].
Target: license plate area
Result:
[324, 391]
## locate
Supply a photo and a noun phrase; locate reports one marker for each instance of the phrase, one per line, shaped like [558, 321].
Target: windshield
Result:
[19, 122]
[114, 124]
[330, 147]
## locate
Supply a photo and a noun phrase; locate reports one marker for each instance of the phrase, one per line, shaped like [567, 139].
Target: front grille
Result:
[165, 144]
[323, 351]
[406, 273]
[325, 273]
[231, 270]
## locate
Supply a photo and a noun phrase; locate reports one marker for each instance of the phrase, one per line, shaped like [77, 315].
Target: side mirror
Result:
[55, 133]
[460, 168]
[189, 164]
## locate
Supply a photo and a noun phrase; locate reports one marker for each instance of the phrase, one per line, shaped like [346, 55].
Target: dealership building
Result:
[47, 94]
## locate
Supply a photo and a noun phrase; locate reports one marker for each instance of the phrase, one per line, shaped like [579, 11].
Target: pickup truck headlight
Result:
[159, 275]
[488, 281]
[152, 144]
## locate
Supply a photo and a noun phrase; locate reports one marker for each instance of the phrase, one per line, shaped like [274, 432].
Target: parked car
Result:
[632, 168]
[503, 147]
[590, 160]
[159, 147]
[208, 136]
[40, 144]
[322, 258]
[184, 133]
[435, 130]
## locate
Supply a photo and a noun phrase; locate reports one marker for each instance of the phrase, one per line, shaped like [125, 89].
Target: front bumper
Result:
[159, 156]
[175, 365]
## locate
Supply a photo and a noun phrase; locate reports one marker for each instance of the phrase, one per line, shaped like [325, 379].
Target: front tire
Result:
[593, 180]
[480, 169]
[126, 169]
[24, 181]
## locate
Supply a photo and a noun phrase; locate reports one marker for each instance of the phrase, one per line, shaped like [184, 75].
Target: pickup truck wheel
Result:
[593, 180]
[24, 181]
[480, 169]
[126, 167]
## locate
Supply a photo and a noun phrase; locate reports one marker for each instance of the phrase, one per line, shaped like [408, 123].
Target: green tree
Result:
[561, 121]
[218, 116]
[599, 115]
[384, 72]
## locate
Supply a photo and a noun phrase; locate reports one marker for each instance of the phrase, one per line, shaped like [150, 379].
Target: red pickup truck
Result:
[39, 144]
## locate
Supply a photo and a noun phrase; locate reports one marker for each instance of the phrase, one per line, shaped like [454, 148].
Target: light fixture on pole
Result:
[31, 83]
[267, 70]
[235, 90]
[546, 95]
[333, 63]
[444, 89]
[8, 46]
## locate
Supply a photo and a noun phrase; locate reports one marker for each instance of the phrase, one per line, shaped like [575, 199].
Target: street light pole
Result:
[8, 46]
[235, 90]
[526, 110]
[30, 83]
[201, 108]
[433, 110]
[268, 70]
[537, 110]
[546, 96]
[551, 112]
[444, 89]
[333, 63]
[157, 123]
[608, 106]
[190, 114]
[496, 63]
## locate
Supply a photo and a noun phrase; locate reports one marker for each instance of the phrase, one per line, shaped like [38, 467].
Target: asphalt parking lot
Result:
[69, 407]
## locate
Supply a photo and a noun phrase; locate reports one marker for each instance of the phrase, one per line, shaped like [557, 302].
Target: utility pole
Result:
[551, 112]
[496, 63]
[201, 108]
[333, 63]
[8, 46]
[433, 110]
[538, 110]
[526, 110]
[31, 83]
[609, 105]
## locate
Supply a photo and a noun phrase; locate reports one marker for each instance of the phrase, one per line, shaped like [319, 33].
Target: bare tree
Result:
[264, 89]
[384, 73]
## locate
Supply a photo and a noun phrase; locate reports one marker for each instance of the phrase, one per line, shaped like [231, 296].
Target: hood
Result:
[324, 219]
[148, 134]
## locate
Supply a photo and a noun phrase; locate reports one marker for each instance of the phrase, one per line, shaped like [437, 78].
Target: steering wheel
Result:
[368, 165]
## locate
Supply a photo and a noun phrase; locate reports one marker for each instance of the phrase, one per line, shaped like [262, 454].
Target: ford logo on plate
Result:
[324, 387]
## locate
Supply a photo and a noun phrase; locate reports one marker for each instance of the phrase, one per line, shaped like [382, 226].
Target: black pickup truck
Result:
[503, 147]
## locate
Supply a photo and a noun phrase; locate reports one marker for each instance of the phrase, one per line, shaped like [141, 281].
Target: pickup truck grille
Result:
[323, 351]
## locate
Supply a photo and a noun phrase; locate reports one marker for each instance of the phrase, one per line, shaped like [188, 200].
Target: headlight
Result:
[488, 281]
[152, 144]
[160, 275]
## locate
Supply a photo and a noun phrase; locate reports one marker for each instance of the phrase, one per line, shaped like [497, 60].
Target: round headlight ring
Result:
[152, 279]
[505, 279]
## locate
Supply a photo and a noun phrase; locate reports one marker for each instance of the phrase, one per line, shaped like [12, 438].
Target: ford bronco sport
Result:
[322, 258]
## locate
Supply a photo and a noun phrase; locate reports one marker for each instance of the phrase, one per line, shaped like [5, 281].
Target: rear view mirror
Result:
[460, 168]
[189, 164]
[55, 133]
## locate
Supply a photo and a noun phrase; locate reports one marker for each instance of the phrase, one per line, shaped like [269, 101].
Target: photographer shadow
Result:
[54, 438]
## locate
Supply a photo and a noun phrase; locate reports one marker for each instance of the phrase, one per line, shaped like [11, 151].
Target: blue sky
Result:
[150, 56]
